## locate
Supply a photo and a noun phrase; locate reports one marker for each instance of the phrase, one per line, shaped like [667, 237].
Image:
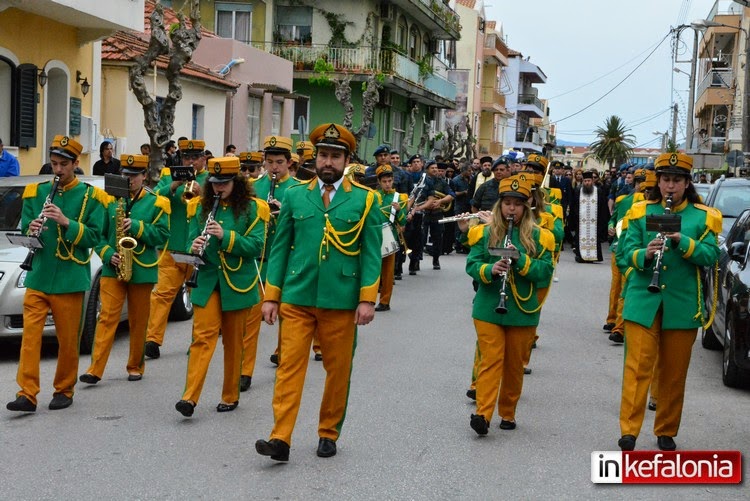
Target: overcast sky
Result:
[578, 41]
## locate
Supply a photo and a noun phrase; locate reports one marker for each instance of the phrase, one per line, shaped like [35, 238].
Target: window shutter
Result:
[26, 119]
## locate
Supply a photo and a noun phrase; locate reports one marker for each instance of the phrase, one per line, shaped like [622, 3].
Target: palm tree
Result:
[613, 145]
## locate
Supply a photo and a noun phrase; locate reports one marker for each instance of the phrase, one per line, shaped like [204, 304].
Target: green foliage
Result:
[337, 23]
[671, 147]
[614, 144]
[425, 66]
[322, 70]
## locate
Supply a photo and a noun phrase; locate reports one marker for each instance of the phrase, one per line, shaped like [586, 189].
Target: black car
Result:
[731, 195]
[730, 330]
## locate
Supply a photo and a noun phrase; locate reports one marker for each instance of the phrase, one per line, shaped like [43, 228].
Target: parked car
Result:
[731, 195]
[12, 277]
[702, 189]
[730, 330]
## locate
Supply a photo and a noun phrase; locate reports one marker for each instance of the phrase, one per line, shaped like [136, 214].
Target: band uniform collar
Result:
[71, 184]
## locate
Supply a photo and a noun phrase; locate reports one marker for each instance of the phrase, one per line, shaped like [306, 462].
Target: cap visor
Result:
[672, 170]
[514, 194]
[62, 153]
[132, 171]
[219, 179]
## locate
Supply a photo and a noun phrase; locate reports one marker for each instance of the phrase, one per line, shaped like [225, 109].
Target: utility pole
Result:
[746, 95]
[674, 124]
[691, 98]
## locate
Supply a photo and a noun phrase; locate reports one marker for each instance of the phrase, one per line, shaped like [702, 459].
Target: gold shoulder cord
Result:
[715, 299]
[161, 254]
[331, 235]
[225, 267]
[70, 256]
[517, 297]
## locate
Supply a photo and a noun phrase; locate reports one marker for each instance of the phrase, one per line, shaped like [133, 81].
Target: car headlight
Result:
[21, 283]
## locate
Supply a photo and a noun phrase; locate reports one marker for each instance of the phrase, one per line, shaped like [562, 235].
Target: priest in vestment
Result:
[588, 220]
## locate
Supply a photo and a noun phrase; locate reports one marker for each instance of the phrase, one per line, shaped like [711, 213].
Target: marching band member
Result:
[666, 320]
[271, 188]
[322, 277]
[137, 224]
[172, 275]
[67, 216]
[232, 236]
[251, 163]
[505, 338]
[393, 208]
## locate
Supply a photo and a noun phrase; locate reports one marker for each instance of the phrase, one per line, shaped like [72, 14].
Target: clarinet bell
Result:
[192, 282]
[27, 263]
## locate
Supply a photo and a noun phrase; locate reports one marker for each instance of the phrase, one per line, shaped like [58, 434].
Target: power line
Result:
[618, 84]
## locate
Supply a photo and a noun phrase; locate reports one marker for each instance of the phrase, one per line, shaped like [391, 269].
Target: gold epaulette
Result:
[555, 192]
[166, 171]
[403, 198]
[713, 217]
[557, 210]
[475, 234]
[638, 197]
[355, 183]
[30, 190]
[638, 210]
[101, 196]
[264, 211]
[547, 239]
[620, 198]
[192, 207]
[546, 220]
[163, 203]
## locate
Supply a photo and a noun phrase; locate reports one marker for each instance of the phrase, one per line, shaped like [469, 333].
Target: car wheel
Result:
[732, 375]
[182, 307]
[709, 340]
[91, 316]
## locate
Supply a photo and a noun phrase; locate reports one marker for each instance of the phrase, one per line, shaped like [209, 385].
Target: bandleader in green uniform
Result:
[227, 284]
[664, 322]
[323, 277]
[69, 226]
[172, 275]
[144, 217]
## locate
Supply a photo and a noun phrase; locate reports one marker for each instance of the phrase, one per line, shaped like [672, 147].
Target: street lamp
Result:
[664, 139]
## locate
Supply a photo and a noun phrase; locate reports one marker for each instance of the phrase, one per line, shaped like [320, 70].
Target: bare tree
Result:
[159, 123]
[370, 98]
[343, 93]
[410, 131]
[423, 140]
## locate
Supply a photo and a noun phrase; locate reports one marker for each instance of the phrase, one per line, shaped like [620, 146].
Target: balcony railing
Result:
[725, 8]
[530, 99]
[718, 78]
[492, 95]
[493, 41]
[361, 60]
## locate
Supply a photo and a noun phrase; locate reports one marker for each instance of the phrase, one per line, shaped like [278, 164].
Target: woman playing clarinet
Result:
[228, 235]
[506, 306]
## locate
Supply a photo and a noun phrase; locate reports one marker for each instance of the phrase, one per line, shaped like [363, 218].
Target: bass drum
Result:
[390, 244]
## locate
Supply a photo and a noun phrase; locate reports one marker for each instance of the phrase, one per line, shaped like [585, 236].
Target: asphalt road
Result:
[407, 432]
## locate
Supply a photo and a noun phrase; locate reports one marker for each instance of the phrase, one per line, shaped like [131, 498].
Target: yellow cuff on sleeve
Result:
[141, 227]
[690, 249]
[230, 245]
[526, 265]
[483, 273]
[273, 293]
[80, 234]
[369, 293]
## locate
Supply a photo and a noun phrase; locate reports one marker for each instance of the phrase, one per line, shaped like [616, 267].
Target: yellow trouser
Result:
[654, 390]
[619, 321]
[642, 345]
[315, 344]
[615, 289]
[171, 277]
[338, 338]
[112, 294]
[500, 377]
[205, 334]
[386, 278]
[67, 310]
[250, 339]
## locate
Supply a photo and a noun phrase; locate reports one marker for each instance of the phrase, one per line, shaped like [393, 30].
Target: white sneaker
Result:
[555, 279]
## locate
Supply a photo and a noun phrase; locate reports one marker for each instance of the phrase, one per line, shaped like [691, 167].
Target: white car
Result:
[12, 277]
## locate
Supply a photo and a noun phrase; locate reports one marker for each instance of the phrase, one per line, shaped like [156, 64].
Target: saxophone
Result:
[125, 245]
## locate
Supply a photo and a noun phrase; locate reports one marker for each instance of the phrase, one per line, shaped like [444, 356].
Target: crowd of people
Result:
[303, 234]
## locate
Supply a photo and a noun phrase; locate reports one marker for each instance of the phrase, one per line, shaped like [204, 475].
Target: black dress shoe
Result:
[222, 407]
[245, 382]
[21, 404]
[89, 378]
[666, 443]
[412, 272]
[275, 359]
[608, 327]
[318, 357]
[626, 443]
[326, 448]
[507, 425]
[616, 337]
[435, 263]
[526, 371]
[472, 394]
[479, 424]
[185, 408]
[651, 405]
[60, 401]
[151, 350]
[135, 377]
[277, 449]
[382, 307]
[397, 277]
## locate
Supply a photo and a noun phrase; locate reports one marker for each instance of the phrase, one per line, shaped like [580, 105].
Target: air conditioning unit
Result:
[387, 12]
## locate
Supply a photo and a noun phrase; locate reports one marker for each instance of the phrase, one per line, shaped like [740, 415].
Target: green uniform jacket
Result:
[385, 209]
[623, 215]
[623, 203]
[150, 227]
[551, 220]
[523, 280]
[63, 265]
[262, 187]
[680, 295]
[326, 258]
[178, 221]
[230, 263]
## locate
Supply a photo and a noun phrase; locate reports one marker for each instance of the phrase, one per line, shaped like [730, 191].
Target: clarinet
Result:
[271, 189]
[501, 308]
[26, 265]
[654, 285]
[192, 282]
[416, 192]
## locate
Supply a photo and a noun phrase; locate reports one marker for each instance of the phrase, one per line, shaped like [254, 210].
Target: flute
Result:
[453, 219]
[27, 263]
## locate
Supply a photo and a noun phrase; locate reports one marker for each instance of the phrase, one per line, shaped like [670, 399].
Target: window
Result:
[198, 118]
[276, 118]
[397, 123]
[401, 37]
[18, 91]
[414, 43]
[234, 21]
[253, 122]
[293, 24]
[301, 110]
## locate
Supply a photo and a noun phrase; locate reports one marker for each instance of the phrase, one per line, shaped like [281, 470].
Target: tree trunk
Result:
[370, 99]
[343, 93]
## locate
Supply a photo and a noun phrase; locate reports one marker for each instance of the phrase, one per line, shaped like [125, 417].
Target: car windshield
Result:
[11, 203]
[732, 200]
[702, 190]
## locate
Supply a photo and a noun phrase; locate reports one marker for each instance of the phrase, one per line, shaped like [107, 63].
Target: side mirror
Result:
[737, 251]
